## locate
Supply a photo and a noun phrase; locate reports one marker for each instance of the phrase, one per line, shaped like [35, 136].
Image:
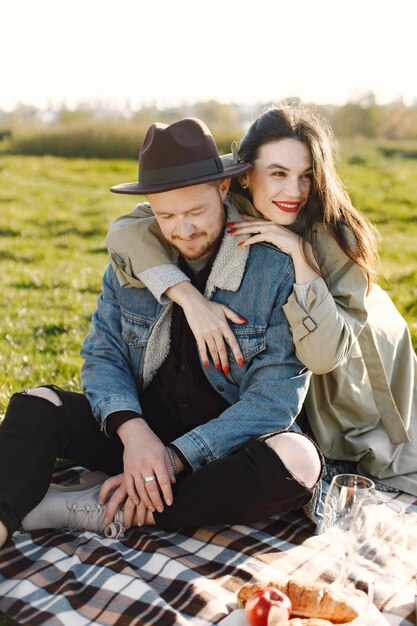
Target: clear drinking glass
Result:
[378, 545]
[347, 493]
[346, 496]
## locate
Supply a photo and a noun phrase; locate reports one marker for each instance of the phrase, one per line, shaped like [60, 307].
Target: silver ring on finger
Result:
[148, 479]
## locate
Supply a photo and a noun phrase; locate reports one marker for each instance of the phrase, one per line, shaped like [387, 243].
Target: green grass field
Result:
[53, 221]
[54, 216]
[385, 189]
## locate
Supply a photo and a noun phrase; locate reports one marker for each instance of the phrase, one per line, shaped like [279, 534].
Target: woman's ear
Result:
[243, 181]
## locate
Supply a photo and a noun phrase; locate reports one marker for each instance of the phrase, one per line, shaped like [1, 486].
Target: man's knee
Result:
[46, 394]
[299, 455]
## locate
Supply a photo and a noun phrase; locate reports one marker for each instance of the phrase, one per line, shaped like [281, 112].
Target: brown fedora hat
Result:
[180, 155]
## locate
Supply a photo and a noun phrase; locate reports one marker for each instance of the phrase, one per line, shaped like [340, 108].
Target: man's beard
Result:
[211, 244]
[204, 251]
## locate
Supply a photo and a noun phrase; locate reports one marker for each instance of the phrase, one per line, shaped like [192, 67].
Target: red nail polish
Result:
[231, 231]
[226, 370]
[218, 367]
[240, 361]
[206, 364]
[244, 321]
[240, 243]
[230, 223]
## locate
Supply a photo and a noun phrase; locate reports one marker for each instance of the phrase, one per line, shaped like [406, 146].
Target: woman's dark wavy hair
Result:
[328, 202]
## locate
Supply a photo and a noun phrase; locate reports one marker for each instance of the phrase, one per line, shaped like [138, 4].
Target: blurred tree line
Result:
[99, 131]
[365, 118]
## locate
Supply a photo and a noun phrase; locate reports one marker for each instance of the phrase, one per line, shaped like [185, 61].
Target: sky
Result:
[129, 53]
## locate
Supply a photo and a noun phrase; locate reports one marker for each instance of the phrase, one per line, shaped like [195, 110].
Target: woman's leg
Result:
[34, 432]
[265, 477]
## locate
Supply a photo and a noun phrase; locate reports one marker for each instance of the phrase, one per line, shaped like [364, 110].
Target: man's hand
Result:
[131, 512]
[145, 457]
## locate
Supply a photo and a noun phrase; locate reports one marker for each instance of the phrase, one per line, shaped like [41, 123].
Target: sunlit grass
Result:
[385, 189]
[53, 220]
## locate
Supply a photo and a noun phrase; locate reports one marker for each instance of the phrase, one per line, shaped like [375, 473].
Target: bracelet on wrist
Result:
[172, 460]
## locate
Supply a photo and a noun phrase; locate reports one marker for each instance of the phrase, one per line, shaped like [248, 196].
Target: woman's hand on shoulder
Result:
[264, 231]
[209, 322]
[284, 239]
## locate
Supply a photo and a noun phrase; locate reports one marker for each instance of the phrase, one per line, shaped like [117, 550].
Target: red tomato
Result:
[267, 607]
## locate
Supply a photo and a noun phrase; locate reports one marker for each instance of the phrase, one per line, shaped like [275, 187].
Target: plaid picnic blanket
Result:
[61, 578]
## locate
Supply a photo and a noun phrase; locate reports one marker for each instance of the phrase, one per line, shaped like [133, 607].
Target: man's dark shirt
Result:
[179, 398]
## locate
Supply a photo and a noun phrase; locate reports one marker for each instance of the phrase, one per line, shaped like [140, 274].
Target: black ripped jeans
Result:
[249, 485]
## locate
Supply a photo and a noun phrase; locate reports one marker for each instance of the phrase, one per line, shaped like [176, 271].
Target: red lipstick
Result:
[288, 207]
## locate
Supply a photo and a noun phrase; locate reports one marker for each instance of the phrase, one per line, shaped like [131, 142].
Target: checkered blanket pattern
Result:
[58, 578]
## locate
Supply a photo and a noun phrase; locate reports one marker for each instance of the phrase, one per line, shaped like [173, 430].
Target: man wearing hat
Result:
[185, 444]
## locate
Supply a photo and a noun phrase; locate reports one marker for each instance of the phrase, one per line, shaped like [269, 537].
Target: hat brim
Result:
[229, 171]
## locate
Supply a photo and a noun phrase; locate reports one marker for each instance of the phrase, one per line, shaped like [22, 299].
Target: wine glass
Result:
[378, 545]
[346, 494]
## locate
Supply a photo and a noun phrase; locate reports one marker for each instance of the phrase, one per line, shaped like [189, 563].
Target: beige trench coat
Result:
[362, 400]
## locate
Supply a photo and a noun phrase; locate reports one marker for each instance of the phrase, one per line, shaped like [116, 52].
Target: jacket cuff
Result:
[160, 278]
[318, 305]
[106, 406]
[194, 449]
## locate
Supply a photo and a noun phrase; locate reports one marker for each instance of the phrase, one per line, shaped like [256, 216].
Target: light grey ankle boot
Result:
[75, 508]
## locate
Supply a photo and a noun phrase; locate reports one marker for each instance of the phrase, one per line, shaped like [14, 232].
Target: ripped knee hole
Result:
[46, 394]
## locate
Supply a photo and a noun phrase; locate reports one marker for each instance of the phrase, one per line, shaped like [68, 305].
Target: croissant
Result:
[315, 600]
[310, 600]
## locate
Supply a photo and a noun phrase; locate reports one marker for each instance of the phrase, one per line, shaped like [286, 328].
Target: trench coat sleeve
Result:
[325, 329]
[140, 255]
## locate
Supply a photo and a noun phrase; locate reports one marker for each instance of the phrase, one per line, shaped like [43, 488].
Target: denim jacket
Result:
[130, 337]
